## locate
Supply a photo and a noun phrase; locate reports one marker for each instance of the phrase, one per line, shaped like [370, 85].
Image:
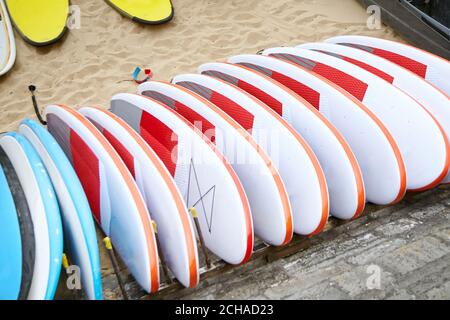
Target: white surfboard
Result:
[7, 42]
[427, 65]
[206, 181]
[262, 182]
[163, 199]
[342, 172]
[433, 99]
[113, 195]
[421, 140]
[298, 166]
[382, 165]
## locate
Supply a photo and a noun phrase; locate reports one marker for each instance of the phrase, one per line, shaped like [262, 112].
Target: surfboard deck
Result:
[298, 166]
[341, 169]
[11, 248]
[144, 11]
[431, 98]
[39, 22]
[384, 184]
[7, 42]
[78, 225]
[426, 65]
[262, 182]
[420, 138]
[112, 193]
[25, 224]
[206, 181]
[163, 199]
[44, 211]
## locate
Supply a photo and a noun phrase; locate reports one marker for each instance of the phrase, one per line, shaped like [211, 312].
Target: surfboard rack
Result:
[194, 214]
[112, 257]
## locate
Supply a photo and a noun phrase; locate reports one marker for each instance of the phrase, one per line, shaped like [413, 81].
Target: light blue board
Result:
[51, 210]
[80, 202]
[10, 244]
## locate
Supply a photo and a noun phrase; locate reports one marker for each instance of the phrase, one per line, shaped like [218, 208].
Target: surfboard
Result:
[382, 165]
[45, 213]
[78, 225]
[7, 42]
[206, 181]
[113, 196]
[39, 22]
[426, 65]
[11, 248]
[144, 11]
[298, 166]
[25, 224]
[163, 199]
[431, 98]
[420, 138]
[341, 169]
[269, 202]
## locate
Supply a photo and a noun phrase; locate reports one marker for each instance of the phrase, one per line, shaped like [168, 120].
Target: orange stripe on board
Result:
[143, 213]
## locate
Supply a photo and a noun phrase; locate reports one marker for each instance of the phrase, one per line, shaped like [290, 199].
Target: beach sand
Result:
[94, 62]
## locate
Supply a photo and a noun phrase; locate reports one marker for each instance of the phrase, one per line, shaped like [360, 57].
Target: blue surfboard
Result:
[10, 244]
[45, 213]
[79, 230]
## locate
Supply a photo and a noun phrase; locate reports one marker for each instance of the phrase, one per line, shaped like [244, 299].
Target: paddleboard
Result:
[39, 22]
[420, 138]
[78, 225]
[112, 194]
[144, 11]
[269, 202]
[25, 224]
[163, 199]
[431, 98]
[382, 165]
[426, 65]
[45, 213]
[298, 166]
[7, 42]
[205, 179]
[11, 248]
[341, 169]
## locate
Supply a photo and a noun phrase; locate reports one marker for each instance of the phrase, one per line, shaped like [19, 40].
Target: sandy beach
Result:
[93, 62]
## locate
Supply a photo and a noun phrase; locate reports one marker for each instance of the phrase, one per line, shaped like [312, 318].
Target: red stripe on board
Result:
[355, 87]
[121, 150]
[307, 93]
[86, 165]
[162, 140]
[371, 69]
[234, 110]
[273, 103]
[418, 68]
[197, 120]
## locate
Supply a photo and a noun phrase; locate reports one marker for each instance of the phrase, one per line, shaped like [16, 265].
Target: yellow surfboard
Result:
[39, 22]
[144, 11]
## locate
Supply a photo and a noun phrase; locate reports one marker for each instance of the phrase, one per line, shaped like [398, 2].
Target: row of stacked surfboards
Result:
[263, 145]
